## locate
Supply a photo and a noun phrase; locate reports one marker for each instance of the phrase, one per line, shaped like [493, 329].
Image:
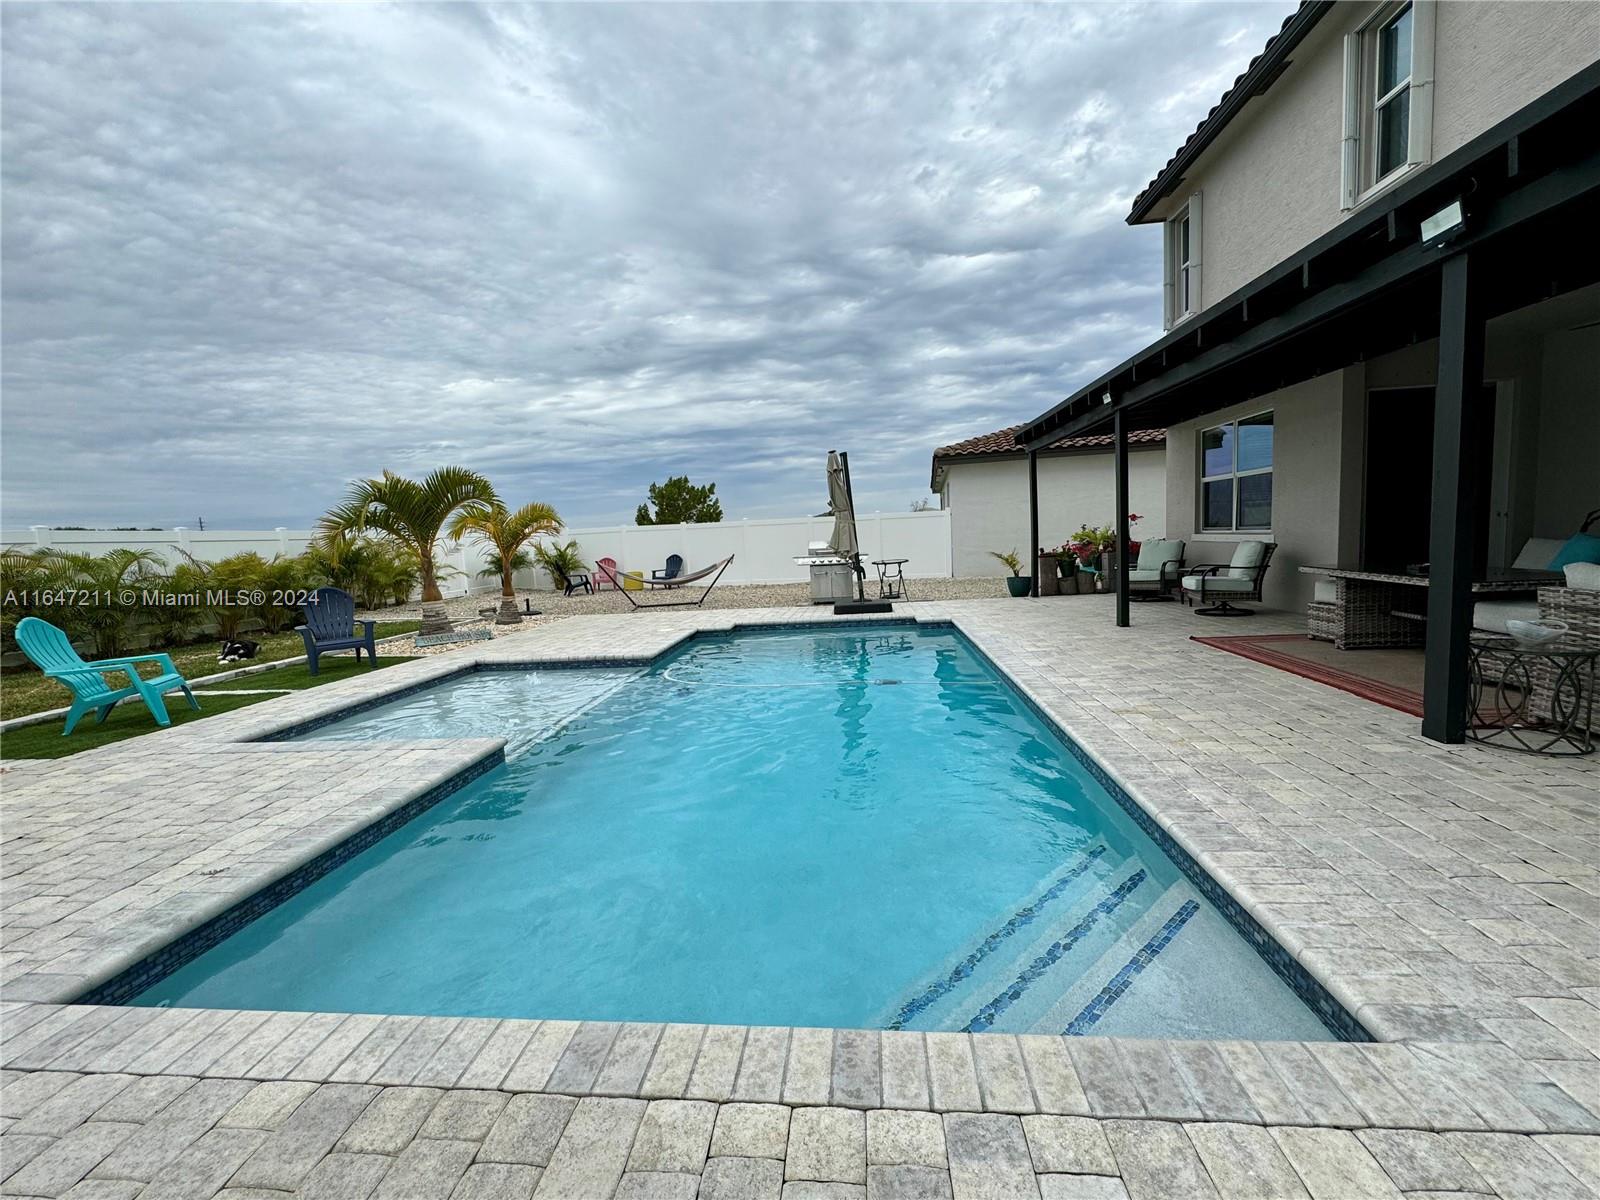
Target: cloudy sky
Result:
[254, 251]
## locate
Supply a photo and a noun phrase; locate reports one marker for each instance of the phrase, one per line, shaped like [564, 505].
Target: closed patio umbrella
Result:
[842, 506]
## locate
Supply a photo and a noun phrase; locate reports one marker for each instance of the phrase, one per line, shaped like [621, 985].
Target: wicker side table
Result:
[1323, 620]
[1537, 699]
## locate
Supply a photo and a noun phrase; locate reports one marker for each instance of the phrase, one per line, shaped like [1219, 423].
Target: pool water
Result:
[858, 827]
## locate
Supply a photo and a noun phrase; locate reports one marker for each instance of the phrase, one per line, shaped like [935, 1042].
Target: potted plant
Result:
[1019, 584]
[1067, 565]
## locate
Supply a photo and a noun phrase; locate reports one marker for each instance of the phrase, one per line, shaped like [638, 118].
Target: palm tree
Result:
[412, 513]
[507, 533]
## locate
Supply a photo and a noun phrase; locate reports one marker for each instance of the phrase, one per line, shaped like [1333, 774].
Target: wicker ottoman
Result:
[1322, 620]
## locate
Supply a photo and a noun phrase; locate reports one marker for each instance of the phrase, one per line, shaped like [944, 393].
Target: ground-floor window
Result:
[1236, 475]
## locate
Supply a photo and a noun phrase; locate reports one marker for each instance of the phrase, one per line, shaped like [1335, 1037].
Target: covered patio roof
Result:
[1530, 187]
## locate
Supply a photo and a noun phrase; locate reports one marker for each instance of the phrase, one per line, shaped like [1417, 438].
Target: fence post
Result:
[283, 539]
[41, 534]
[183, 536]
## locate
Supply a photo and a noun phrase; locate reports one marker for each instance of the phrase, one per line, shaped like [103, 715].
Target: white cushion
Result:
[1140, 575]
[1492, 615]
[1325, 591]
[1537, 553]
[1217, 583]
[1153, 554]
[1246, 557]
[1583, 575]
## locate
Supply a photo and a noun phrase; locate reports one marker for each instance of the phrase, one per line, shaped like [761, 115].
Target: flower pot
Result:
[1049, 577]
[1019, 585]
[1069, 583]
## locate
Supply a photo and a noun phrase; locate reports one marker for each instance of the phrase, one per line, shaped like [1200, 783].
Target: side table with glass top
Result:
[1539, 699]
[891, 578]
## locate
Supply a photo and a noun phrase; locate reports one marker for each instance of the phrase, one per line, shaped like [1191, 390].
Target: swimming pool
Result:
[847, 826]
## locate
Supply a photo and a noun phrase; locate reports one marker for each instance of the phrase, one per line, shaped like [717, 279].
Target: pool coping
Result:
[250, 726]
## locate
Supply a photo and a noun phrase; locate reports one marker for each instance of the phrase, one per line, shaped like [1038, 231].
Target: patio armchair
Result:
[573, 581]
[331, 626]
[671, 571]
[1217, 585]
[1158, 570]
[605, 572]
[51, 651]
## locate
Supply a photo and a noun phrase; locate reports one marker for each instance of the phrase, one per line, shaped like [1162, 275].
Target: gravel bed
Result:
[463, 610]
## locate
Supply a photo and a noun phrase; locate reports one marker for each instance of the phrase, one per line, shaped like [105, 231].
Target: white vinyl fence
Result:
[763, 550]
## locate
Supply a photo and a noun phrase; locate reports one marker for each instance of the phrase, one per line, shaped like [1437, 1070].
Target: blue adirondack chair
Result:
[52, 652]
[672, 570]
[331, 625]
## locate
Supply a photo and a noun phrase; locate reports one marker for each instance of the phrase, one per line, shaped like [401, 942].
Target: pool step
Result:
[1094, 925]
[1071, 1002]
[994, 956]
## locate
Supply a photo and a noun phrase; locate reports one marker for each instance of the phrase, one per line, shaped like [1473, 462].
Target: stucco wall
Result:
[1270, 183]
[1312, 467]
[988, 503]
[1494, 56]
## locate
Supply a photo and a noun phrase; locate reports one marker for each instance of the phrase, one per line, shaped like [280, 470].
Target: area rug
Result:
[1389, 677]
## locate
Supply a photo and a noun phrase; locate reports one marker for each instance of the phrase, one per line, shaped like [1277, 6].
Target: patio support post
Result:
[1120, 432]
[1452, 537]
[1033, 520]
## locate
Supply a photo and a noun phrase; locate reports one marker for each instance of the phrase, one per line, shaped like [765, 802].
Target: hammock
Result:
[715, 570]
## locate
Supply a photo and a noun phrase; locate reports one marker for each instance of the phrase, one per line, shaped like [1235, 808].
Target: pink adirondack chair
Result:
[605, 571]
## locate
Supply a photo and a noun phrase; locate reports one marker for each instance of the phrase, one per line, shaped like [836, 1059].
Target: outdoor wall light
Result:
[1444, 224]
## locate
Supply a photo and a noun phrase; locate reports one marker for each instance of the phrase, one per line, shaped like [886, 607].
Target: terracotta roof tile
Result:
[1003, 441]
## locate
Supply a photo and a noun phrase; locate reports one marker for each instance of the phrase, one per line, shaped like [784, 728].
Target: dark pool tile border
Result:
[154, 967]
[1338, 1020]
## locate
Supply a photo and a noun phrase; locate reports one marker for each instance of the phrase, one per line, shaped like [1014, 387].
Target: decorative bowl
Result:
[1532, 634]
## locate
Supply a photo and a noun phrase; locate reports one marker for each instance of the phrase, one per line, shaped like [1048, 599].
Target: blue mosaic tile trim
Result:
[1338, 1020]
[1022, 918]
[1123, 979]
[153, 968]
[990, 1012]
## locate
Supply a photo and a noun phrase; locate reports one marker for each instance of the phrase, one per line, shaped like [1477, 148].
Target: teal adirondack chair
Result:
[53, 654]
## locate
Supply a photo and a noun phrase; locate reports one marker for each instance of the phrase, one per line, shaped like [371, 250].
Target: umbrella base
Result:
[846, 607]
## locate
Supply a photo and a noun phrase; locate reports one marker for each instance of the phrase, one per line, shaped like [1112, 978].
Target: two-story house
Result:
[1382, 303]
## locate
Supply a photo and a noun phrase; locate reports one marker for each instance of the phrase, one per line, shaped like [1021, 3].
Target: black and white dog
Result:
[238, 651]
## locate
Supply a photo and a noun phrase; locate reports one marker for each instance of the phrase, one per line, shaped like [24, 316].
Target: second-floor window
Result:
[1388, 115]
[1391, 102]
[1183, 263]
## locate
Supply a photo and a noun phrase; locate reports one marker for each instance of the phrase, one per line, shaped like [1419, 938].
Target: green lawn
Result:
[131, 718]
[24, 690]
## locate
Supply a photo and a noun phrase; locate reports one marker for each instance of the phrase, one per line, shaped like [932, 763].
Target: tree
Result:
[507, 533]
[679, 502]
[412, 513]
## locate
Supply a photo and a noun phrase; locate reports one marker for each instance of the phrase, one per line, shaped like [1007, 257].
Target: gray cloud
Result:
[254, 251]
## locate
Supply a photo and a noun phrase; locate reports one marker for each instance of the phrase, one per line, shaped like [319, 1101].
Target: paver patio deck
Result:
[1448, 896]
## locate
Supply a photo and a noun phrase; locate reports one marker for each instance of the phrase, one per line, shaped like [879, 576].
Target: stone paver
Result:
[988, 1157]
[753, 1131]
[897, 1138]
[827, 1145]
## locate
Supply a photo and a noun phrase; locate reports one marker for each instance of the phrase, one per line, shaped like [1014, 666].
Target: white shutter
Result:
[1420, 136]
[1196, 241]
[1169, 274]
[1350, 146]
